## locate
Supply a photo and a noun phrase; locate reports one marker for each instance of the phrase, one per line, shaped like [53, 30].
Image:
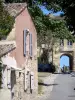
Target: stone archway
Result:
[70, 60]
[70, 54]
[64, 49]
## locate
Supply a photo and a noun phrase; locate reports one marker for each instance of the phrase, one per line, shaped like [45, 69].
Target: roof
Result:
[15, 9]
[56, 17]
[6, 46]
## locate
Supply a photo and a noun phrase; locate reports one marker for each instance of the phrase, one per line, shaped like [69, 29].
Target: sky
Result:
[64, 60]
[45, 11]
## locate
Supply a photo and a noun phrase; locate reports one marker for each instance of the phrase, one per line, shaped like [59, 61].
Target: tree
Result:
[16, 1]
[47, 26]
[67, 6]
[49, 30]
[6, 22]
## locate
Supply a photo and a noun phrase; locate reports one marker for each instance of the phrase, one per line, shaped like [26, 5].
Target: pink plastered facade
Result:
[22, 22]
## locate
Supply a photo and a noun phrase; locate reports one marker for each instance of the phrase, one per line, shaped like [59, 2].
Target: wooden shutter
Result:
[32, 81]
[30, 45]
[71, 43]
[9, 78]
[26, 79]
[24, 39]
[68, 42]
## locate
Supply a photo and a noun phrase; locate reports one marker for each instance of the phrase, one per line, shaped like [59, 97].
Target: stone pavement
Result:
[63, 88]
[47, 86]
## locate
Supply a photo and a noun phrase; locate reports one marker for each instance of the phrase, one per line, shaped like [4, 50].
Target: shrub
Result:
[6, 22]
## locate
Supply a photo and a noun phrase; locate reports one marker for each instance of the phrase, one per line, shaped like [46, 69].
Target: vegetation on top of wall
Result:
[6, 22]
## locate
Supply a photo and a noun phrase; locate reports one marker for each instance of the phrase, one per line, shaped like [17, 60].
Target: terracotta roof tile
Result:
[15, 8]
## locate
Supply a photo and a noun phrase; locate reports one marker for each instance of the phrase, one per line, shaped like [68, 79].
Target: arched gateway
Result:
[65, 48]
[70, 55]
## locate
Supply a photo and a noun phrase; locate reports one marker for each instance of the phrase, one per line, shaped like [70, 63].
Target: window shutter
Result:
[24, 39]
[30, 45]
[62, 42]
[26, 79]
[9, 78]
[32, 81]
[5, 77]
[68, 42]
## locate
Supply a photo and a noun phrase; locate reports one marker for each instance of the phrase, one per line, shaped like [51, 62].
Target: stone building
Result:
[67, 48]
[60, 48]
[19, 60]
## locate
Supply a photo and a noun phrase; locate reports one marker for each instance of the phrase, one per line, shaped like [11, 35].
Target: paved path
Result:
[63, 88]
[47, 86]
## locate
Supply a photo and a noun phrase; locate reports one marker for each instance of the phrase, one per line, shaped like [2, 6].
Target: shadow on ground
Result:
[44, 84]
[62, 73]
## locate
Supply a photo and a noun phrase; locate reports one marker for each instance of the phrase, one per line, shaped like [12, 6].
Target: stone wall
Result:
[18, 92]
[23, 22]
[65, 50]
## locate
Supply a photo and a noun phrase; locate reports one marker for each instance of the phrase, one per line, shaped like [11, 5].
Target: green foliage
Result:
[29, 2]
[6, 22]
[47, 27]
[65, 68]
[12, 1]
[68, 6]
[44, 57]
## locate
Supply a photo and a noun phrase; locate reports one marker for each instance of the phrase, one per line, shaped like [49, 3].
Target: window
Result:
[61, 42]
[9, 78]
[69, 43]
[27, 43]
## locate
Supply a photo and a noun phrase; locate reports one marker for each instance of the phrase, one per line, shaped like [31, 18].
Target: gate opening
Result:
[67, 61]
